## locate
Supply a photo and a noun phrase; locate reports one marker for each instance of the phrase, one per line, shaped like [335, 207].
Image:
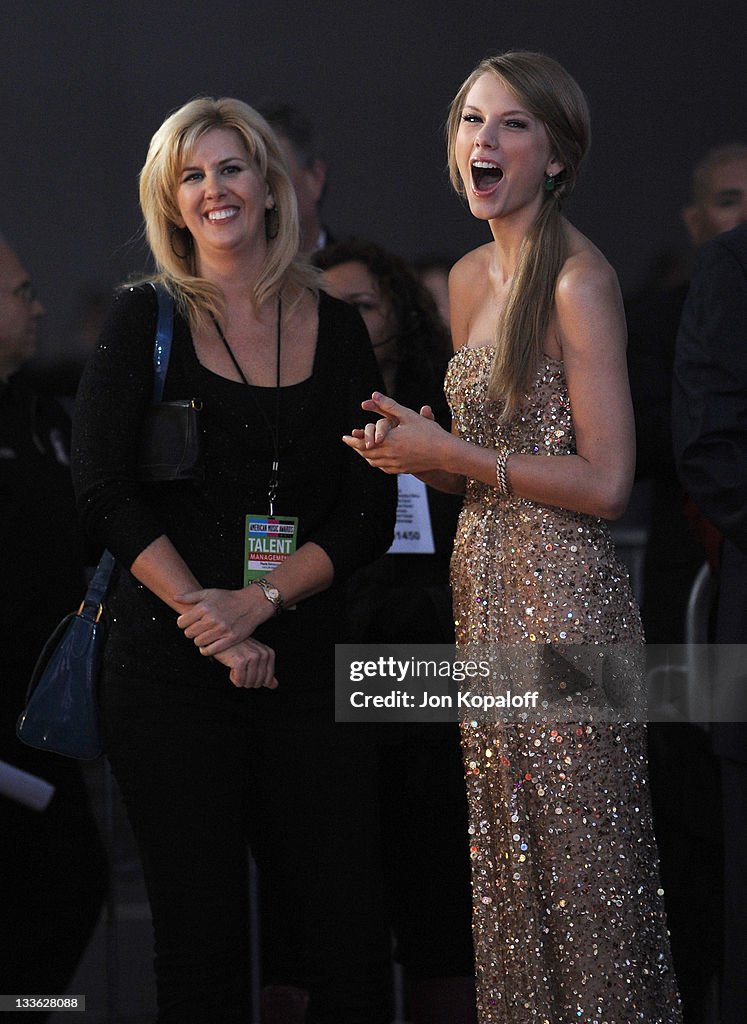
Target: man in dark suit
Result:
[709, 401]
[718, 202]
[684, 771]
[53, 871]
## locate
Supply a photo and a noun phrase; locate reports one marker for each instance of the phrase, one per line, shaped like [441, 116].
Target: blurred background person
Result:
[433, 270]
[710, 436]
[718, 202]
[308, 169]
[405, 598]
[53, 870]
[684, 770]
[60, 376]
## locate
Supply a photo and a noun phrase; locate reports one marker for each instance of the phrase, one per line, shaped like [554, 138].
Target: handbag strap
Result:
[99, 584]
[162, 342]
[101, 578]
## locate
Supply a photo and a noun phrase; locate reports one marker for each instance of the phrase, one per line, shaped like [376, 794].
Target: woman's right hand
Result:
[369, 442]
[217, 619]
[251, 664]
[374, 434]
[402, 441]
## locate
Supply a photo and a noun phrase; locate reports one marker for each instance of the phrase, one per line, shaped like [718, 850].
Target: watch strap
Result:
[270, 592]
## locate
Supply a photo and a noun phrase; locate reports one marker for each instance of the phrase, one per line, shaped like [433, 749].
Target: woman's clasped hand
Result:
[413, 448]
[221, 624]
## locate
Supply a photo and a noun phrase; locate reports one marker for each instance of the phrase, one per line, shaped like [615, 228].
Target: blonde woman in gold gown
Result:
[567, 908]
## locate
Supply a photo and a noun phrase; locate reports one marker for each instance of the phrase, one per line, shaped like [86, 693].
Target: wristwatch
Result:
[271, 593]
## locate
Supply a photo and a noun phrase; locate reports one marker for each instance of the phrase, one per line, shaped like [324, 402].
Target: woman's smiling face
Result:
[221, 195]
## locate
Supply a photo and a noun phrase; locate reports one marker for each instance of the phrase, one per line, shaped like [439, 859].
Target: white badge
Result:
[412, 534]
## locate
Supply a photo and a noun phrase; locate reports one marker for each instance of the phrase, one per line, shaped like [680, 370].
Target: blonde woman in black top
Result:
[218, 710]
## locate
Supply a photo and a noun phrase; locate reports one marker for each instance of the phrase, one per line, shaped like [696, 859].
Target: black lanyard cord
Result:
[272, 487]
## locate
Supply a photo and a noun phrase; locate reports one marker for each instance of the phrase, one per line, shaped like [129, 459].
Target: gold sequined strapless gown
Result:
[568, 911]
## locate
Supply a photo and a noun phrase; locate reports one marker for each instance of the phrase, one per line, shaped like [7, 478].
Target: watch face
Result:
[271, 593]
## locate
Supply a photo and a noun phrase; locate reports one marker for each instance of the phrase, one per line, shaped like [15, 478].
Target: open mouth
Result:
[485, 175]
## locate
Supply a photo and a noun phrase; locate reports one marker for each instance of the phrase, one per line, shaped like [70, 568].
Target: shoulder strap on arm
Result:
[162, 342]
[99, 585]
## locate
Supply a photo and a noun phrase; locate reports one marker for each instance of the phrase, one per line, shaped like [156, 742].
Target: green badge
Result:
[269, 541]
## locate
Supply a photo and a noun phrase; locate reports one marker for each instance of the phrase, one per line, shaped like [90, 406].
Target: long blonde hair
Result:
[551, 95]
[172, 246]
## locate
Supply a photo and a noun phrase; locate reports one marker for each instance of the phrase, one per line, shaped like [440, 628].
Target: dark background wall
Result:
[85, 84]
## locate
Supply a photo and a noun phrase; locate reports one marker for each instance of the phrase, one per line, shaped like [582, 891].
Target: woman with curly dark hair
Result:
[404, 597]
[410, 341]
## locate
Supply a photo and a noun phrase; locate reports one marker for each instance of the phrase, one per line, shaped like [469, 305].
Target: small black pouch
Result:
[171, 442]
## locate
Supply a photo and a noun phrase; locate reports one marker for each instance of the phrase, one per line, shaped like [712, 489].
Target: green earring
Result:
[549, 183]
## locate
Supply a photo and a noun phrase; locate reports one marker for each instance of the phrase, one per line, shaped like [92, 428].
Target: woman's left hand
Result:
[219, 619]
[251, 665]
[404, 441]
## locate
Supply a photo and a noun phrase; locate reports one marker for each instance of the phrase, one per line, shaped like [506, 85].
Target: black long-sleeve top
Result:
[343, 505]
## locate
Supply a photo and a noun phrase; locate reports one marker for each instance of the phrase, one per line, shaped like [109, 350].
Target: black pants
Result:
[426, 848]
[734, 988]
[685, 792]
[201, 774]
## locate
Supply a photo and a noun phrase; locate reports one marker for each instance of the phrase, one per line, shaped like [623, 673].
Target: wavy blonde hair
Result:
[551, 95]
[172, 246]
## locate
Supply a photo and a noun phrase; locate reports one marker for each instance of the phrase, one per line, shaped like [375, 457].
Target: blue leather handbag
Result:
[61, 713]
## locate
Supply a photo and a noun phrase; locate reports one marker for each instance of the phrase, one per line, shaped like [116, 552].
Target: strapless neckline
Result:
[546, 359]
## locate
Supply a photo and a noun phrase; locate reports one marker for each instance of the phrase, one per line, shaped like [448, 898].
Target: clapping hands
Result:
[402, 441]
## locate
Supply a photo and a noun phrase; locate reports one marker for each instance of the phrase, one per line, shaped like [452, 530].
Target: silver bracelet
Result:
[501, 474]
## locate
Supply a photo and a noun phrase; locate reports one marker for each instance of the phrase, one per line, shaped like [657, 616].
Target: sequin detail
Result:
[568, 915]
